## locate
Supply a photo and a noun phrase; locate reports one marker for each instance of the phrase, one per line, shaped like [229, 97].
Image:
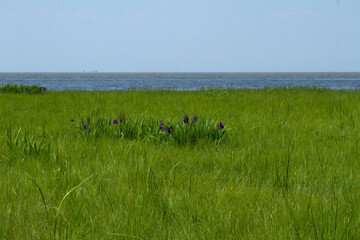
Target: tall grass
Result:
[289, 168]
[178, 132]
[23, 89]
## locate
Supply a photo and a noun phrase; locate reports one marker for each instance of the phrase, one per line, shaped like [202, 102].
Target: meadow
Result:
[283, 165]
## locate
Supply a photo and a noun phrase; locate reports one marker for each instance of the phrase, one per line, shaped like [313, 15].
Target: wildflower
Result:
[221, 125]
[168, 130]
[121, 119]
[115, 121]
[44, 89]
[72, 120]
[161, 125]
[85, 126]
[195, 118]
[186, 118]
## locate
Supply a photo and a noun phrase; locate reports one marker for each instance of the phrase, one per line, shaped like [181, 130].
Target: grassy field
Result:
[288, 169]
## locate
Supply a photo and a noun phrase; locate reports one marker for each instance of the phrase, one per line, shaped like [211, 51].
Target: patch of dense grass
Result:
[178, 132]
[23, 89]
[289, 169]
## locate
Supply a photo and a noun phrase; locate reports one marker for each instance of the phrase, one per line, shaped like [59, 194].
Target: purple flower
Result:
[195, 118]
[186, 118]
[168, 130]
[85, 126]
[221, 125]
[115, 121]
[121, 119]
[161, 125]
[44, 89]
[72, 120]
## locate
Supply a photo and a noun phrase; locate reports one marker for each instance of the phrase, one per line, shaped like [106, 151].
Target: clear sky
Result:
[179, 35]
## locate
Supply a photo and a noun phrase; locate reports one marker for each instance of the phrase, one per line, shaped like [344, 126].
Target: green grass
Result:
[22, 89]
[289, 168]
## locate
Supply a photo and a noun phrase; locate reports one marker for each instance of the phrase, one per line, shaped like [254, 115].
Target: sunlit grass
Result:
[288, 169]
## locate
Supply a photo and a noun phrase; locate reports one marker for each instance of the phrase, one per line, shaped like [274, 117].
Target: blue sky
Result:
[179, 35]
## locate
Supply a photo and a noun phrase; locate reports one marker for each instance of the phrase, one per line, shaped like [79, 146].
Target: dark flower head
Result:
[195, 118]
[85, 126]
[161, 125]
[168, 130]
[221, 125]
[44, 89]
[121, 119]
[115, 121]
[186, 118]
[72, 120]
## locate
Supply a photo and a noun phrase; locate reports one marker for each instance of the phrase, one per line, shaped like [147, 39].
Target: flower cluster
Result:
[119, 119]
[186, 118]
[162, 126]
[187, 130]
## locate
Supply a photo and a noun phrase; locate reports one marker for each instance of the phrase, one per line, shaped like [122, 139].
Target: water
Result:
[182, 81]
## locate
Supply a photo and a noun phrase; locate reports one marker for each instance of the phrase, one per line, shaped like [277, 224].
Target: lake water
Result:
[182, 81]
